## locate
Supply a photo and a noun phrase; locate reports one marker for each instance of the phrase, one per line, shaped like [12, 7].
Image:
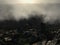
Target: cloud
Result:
[51, 10]
[5, 12]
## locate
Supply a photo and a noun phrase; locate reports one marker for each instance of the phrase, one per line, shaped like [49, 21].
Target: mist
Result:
[49, 10]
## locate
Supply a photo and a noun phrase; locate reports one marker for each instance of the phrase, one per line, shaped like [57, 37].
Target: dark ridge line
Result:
[34, 22]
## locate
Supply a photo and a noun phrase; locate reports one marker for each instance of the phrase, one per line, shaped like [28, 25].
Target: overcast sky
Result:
[38, 1]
